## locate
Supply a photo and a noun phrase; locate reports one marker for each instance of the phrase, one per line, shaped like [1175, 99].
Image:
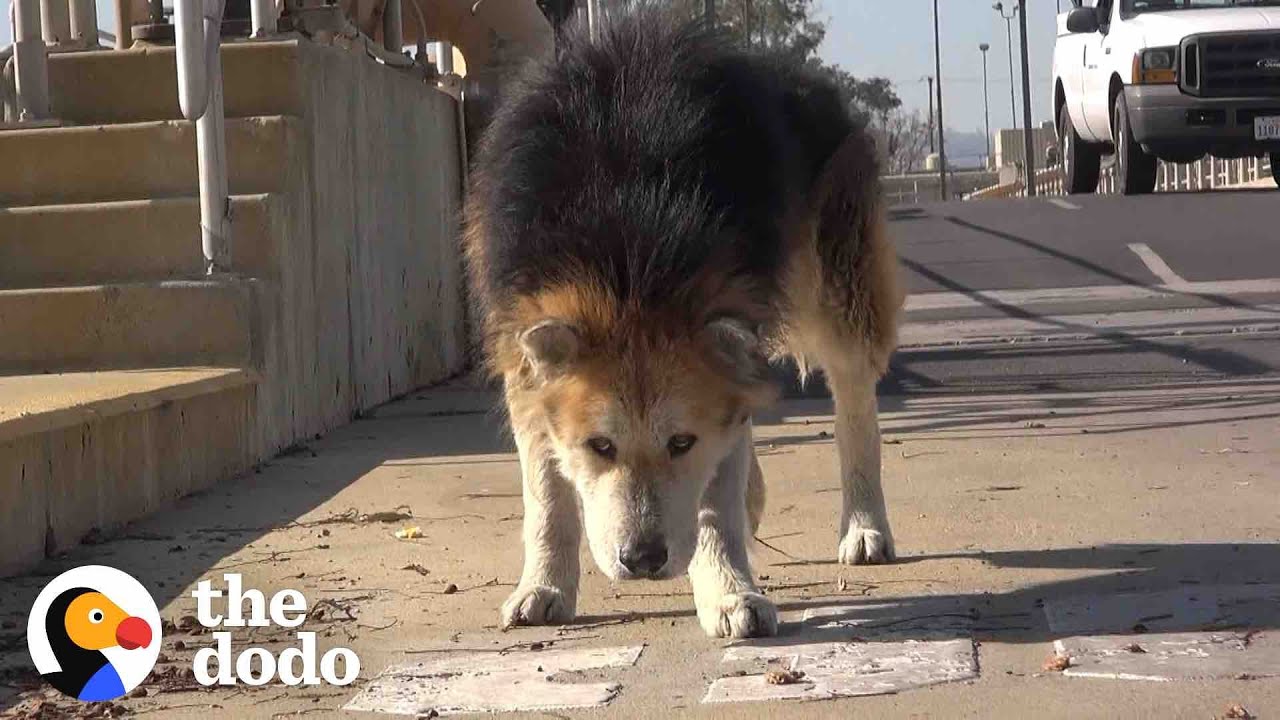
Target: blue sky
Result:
[894, 39]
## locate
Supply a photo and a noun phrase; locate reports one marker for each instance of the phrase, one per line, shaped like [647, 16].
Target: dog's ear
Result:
[737, 347]
[550, 347]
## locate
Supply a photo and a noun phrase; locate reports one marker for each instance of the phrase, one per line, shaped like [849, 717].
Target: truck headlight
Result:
[1156, 66]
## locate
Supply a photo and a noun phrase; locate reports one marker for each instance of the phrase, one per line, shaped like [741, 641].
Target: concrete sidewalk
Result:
[1022, 520]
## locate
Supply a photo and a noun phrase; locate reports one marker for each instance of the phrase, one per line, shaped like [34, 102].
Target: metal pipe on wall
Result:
[124, 25]
[197, 35]
[30, 62]
[393, 26]
[55, 22]
[84, 23]
[262, 15]
[444, 58]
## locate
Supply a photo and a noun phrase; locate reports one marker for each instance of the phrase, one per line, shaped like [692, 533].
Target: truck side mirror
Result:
[1082, 20]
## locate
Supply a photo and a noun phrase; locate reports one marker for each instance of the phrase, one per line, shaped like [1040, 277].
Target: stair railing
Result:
[197, 28]
[30, 62]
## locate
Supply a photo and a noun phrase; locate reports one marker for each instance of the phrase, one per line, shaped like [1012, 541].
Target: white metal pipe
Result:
[444, 58]
[198, 29]
[30, 62]
[211, 151]
[124, 24]
[55, 22]
[215, 203]
[188, 30]
[84, 23]
[263, 16]
[392, 26]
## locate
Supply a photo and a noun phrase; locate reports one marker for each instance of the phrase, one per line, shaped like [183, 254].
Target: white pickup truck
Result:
[1168, 79]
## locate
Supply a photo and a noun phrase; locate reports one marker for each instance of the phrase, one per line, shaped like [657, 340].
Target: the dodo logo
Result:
[94, 633]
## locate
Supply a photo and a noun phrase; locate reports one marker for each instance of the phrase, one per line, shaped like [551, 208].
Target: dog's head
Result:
[639, 421]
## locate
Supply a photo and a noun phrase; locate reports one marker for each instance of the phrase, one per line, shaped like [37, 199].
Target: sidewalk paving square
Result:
[1229, 647]
[843, 669]
[495, 682]
[1165, 657]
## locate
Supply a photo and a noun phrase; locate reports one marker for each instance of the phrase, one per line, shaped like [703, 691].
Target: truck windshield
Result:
[1141, 6]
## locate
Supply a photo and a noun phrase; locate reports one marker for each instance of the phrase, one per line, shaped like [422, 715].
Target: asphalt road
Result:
[1089, 292]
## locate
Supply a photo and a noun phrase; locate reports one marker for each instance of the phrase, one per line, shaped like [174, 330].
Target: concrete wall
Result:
[353, 296]
[369, 302]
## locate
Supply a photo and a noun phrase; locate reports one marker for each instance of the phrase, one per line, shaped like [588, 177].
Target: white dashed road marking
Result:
[1063, 204]
[489, 682]
[1158, 266]
[1087, 293]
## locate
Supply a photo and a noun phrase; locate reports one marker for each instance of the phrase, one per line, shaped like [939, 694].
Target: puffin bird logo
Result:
[83, 639]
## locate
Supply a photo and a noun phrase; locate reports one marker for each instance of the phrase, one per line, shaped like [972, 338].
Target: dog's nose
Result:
[645, 558]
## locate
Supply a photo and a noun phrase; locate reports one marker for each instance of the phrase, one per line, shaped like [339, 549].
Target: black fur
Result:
[647, 155]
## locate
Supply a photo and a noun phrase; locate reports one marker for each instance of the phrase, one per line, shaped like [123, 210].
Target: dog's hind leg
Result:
[728, 601]
[843, 303]
[864, 522]
[548, 589]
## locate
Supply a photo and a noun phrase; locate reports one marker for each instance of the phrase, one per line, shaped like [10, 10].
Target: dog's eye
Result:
[602, 446]
[680, 444]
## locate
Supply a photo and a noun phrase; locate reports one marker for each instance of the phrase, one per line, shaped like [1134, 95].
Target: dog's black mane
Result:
[643, 157]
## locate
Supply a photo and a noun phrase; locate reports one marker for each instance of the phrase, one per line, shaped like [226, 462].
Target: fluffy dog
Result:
[654, 217]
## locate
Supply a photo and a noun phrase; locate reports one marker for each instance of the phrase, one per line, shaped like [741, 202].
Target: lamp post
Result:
[929, 79]
[1028, 143]
[986, 104]
[942, 125]
[1008, 30]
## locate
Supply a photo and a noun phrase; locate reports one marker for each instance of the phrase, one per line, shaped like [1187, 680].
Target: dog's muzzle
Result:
[645, 558]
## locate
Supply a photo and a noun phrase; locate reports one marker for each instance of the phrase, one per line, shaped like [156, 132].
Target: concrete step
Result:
[136, 161]
[108, 86]
[128, 241]
[164, 324]
[97, 449]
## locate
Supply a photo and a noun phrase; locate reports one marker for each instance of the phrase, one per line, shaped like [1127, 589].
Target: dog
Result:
[653, 218]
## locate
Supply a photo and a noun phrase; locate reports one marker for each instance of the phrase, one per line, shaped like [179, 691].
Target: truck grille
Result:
[1231, 65]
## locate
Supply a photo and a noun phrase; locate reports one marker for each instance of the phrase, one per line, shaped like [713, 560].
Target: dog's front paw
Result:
[864, 546]
[537, 605]
[740, 615]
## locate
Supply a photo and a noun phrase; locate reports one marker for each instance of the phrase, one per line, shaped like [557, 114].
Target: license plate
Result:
[1266, 128]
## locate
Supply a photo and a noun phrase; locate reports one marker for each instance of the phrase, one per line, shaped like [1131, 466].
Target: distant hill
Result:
[965, 148]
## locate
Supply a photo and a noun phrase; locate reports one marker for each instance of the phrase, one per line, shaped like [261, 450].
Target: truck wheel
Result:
[1275, 167]
[1081, 162]
[1135, 169]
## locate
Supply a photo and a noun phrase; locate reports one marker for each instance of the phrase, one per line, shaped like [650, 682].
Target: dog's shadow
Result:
[1130, 589]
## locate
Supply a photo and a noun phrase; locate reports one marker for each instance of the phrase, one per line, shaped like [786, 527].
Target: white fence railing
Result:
[1207, 174]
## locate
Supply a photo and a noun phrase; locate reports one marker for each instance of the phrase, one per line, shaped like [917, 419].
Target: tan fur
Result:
[638, 377]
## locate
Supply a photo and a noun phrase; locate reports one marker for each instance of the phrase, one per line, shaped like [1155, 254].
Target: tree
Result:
[788, 28]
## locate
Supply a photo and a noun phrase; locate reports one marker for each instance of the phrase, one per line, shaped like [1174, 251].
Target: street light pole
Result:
[986, 104]
[932, 147]
[1028, 143]
[942, 125]
[1008, 32]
